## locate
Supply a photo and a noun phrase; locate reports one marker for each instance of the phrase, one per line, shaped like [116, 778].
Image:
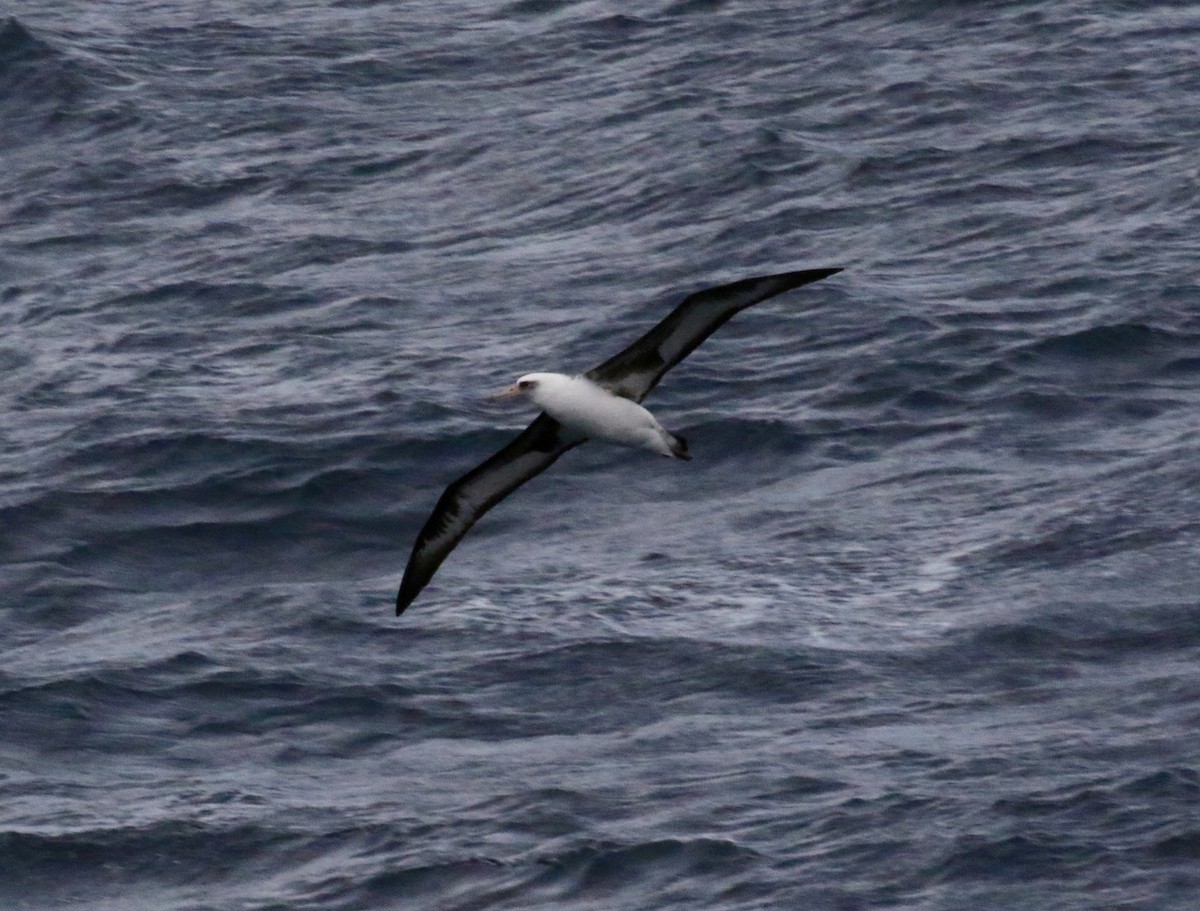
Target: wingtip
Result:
[789, 281]
[806, 276]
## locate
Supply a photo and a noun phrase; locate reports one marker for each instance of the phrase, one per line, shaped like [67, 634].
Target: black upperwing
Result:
[637, 369]
[481, 488]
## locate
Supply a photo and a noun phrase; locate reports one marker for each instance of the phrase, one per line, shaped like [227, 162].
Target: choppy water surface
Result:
[917, 628]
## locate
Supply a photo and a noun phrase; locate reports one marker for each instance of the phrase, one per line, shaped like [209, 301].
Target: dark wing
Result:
[637, 369]
[475, 493]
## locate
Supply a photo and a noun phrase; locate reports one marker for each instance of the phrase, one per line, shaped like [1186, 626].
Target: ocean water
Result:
[918, 627]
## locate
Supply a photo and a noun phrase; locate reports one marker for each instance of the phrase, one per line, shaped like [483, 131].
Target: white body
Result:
[578, 403]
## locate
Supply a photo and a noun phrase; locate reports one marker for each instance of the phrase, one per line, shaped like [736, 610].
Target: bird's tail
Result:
[678, 446]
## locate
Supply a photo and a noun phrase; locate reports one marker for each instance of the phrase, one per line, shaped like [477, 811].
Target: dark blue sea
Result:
[917, 628]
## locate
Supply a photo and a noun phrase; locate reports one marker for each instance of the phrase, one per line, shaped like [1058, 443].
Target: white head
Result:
[529, 385]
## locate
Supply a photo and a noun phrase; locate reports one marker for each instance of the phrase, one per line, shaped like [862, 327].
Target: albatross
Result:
[604, 403]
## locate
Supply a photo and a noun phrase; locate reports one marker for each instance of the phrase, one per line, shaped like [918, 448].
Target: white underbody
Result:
[581, 405]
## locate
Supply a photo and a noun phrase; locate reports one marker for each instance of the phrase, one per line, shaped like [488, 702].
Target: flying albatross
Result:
[603, 403]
